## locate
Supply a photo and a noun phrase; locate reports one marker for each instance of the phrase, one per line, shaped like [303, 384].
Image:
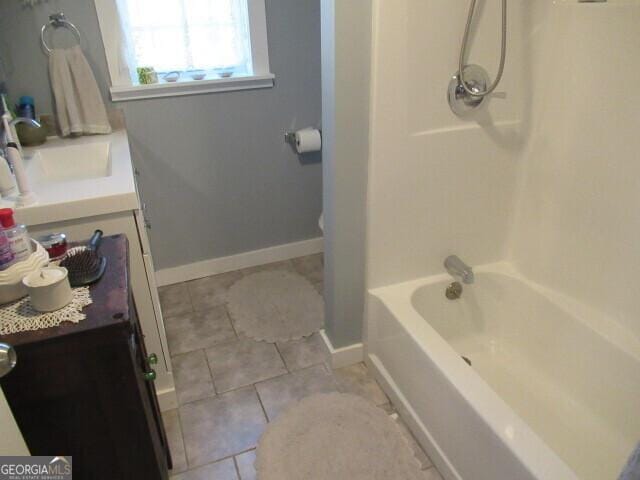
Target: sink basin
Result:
[78, 177]
[70, 163]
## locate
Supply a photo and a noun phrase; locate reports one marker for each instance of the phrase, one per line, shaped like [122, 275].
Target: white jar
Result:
[49, 289]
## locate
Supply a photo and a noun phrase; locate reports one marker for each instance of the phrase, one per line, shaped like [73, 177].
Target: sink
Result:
[70, 163]
[78, 177]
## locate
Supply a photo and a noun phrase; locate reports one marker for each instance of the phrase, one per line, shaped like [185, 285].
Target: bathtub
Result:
[553, 390]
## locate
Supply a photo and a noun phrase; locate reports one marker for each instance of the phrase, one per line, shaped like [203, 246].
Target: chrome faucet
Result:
[29, 121]
[14, 158]
[458, 269]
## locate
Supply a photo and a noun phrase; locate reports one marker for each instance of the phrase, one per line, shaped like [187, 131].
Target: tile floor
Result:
[229, 386]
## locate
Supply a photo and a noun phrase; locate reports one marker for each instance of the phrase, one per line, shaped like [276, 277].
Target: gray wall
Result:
[346, 53]
[215, 173]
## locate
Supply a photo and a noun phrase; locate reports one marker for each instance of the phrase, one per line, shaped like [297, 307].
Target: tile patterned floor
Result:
[229, 386]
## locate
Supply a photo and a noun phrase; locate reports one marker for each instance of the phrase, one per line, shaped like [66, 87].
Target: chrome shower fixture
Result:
[470, 85]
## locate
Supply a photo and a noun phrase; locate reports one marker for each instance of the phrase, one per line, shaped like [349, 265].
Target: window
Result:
[193, 46]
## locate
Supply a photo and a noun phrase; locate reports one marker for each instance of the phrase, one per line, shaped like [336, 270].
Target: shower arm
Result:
[463, 52]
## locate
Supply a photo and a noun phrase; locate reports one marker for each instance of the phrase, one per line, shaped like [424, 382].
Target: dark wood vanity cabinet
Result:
[86, 390]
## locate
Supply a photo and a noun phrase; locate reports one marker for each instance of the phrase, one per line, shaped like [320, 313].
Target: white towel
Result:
[79, 106]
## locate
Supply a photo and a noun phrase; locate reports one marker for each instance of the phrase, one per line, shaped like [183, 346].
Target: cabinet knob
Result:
[150, 376]
[152, 359]
[8, 359]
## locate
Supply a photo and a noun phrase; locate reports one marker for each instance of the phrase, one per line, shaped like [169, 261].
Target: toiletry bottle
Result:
[17, 235]
[7, 258]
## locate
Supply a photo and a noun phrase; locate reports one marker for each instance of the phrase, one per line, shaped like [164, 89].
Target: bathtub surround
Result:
[577, 227]
[438, 184]
[542, 182]
[204, 183]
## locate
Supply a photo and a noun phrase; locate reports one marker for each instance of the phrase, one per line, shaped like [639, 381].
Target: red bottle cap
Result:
[6, 218]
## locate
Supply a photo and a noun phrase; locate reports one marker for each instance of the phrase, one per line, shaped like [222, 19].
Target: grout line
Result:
[213, 382]
[295, 372]
[264, 410]
[233, 327]
[221, 459]
[219, 393]
[235, 463]
[286, 367]
[273, 378]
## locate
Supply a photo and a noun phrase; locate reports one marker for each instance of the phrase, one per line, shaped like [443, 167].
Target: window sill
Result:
[191, 87]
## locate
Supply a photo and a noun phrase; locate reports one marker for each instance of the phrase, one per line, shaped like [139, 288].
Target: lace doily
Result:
[20, 316]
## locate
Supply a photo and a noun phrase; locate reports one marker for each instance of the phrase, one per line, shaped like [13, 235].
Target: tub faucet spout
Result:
[458, 269]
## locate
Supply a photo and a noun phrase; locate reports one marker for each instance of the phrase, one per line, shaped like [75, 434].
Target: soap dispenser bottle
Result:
[17, 235]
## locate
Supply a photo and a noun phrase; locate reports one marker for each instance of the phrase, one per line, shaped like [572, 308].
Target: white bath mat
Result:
[335, 437]
[275, 306]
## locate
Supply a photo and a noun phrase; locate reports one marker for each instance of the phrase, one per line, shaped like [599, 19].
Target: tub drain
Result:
[466, 360]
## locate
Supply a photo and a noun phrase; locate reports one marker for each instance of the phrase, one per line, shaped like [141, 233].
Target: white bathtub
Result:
[546, 397]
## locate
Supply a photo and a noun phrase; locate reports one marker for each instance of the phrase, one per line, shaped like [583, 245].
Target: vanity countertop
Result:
[77, 178]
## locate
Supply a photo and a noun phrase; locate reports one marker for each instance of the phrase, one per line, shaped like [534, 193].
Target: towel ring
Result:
[58, 20]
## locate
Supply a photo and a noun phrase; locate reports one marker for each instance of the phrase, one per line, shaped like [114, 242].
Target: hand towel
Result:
[79, 106]
[632, 470]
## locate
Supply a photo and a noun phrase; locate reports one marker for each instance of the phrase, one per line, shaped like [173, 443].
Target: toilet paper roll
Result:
[308, 140]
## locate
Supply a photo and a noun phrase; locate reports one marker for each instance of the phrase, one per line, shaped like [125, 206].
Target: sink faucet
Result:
[29, 121]
[457, 268]
[13, 153]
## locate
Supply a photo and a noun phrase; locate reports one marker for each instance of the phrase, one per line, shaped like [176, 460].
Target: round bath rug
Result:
[275, 306]
[335, 437]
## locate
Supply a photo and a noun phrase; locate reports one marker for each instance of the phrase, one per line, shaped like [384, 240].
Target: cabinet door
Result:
[155, 299]
[145, 366]
[141, 224]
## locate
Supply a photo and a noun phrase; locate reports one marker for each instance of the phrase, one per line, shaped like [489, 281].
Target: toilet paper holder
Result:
[290, 138]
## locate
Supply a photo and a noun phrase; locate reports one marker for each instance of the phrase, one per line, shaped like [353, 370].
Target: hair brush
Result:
[84, 264]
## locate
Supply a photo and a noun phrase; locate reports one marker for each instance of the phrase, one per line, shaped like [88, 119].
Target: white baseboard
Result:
[206, 268]
[343, 357]
[167, 399]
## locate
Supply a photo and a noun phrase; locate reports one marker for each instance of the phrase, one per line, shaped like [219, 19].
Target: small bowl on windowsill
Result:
[225, 73]
[197, 74]
[171, 77]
